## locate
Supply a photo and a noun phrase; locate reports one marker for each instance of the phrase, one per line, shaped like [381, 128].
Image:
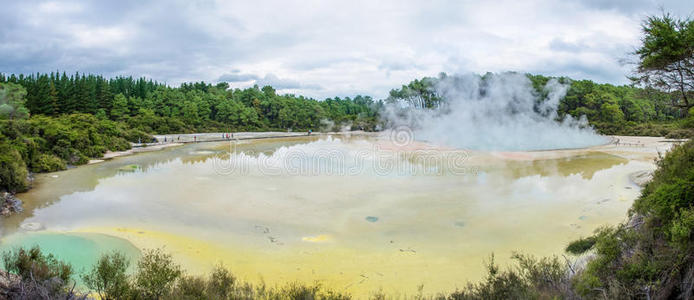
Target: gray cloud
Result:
[641, 7]
[237, 77]
[269, 79]
[559, 44]
[336, 48]
[273, 80]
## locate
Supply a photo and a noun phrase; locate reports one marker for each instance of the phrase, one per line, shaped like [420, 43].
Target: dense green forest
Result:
[156, 108]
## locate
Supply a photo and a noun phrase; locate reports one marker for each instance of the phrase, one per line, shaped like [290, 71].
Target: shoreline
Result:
[173, 140]
[616, 143]
[134, 150]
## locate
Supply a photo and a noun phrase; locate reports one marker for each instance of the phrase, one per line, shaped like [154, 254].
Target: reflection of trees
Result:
[585, 165]
[191, 160]
[156, 164]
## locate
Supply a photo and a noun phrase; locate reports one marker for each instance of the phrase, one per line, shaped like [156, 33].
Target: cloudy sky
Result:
[324, 48]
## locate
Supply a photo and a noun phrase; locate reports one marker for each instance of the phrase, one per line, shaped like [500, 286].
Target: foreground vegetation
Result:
[35, 275]
[653, 254]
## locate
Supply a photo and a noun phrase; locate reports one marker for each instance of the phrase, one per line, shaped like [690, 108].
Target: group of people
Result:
[166, 140]
[227, 136]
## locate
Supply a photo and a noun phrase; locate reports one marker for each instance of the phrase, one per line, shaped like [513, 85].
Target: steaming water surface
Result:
[356, 213]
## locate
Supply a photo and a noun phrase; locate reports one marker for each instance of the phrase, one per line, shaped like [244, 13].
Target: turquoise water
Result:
[81, 250]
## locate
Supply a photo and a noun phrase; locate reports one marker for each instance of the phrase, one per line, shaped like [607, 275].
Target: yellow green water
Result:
[322, 208]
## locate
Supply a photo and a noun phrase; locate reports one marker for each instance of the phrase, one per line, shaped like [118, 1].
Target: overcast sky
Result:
[324, 48]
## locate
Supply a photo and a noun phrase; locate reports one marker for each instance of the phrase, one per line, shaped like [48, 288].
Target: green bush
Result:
[581, 245]
[221, 283]
[544, 278]
[136, 135]
[48, 144]
[108, 277]
[48, 163]
[156, 274]
[191, 288]
[650, 256]
[33, 265]
[13, 171]
[672, 188]
[680, 134]
[689, 121]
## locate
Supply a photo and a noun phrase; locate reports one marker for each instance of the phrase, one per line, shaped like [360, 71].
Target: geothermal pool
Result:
[358, 213]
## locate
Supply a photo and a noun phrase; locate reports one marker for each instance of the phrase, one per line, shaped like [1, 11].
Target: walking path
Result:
[220, 136]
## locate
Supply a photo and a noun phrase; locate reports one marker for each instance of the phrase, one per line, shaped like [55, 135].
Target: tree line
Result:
[157, 108]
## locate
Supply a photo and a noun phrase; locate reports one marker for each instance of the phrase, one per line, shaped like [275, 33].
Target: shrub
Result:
[221, 282]
[581, 245]
[48, 163]
[13, 171]
[41, 276]
[156, 274]
[108, 277]
[33, 263]
[680, 134]
[544, 278]
[136, 135]
[652, 257]
[191, 288]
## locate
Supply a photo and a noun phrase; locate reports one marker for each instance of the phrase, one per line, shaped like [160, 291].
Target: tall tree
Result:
[120, 108]
[53, 98]
[104, 97]
[666, 58]
[41, 97]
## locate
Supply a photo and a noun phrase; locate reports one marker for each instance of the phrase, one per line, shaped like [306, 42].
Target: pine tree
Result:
[120, 107]
[64, 94]
[80, 95]
[53, 99]
[41, 97]
[103, 95]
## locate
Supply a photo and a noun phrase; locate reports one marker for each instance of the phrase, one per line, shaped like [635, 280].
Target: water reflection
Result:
[585, 165]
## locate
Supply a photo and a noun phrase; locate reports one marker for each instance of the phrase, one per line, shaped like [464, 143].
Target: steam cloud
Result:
[500, 112]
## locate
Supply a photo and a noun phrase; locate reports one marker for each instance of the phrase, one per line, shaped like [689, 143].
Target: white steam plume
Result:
[500, 112]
